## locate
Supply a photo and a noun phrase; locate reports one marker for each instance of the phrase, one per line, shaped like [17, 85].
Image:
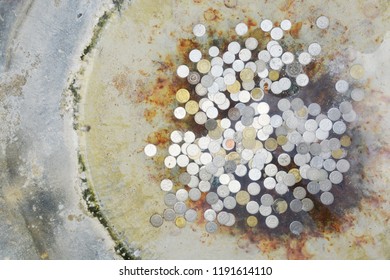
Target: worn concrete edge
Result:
[73, 90]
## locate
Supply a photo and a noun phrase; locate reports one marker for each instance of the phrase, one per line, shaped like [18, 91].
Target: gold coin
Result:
[234, 88]
[302, 113]
[337, 154]
[357, 71]
[249, 132]
[192, 107]
[203, 66]
[280, 206]
[248, 143]
[215, 134]
[296, 173]
[242, 198]
[345, 141]
[273, 75]
[182, 95]
[258, 146]
[251, 221]
[234, 156]
[221, 152]
[180, 222]
[257, 94]
[271, 144]
[247, 75]
[281, 140]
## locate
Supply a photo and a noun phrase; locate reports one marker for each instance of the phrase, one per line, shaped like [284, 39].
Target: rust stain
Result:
[287, 6]
[295, 29]
[251, 22]
[159, 137]
[296, 251]
[213, 15]
[121, 82]
[149, 114]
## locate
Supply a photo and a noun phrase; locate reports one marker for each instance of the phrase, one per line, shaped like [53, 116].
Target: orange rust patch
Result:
[212, 15]
[121, 83]
[149, 115]
[295, 29]
[295, 250]
[286, 7]
[251, 22]
[268, 245]
[184, 46]
[160, 137]
[197, 1]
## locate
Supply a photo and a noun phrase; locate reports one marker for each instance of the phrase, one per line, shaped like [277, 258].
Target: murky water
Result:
[128, 94]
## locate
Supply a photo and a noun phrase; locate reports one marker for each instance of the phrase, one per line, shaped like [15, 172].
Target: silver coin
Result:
[294, 69]
[230, 166]
[232, 220]
[211, 124]
[169, 214]
[296, 205]
[252, 207]
[184, 178]
[283, 104]
[223, 191]
[284, 159]
[339, 127]
[296, 227]
[303, 148]
[211, 227]
[336, 177]
[247, 121]
[345, 107]
[211, 168]
[314, 109]
[190, 215]
[204, 186]
[170, 199]
[316, 162]
[210, 215]
[253, 188]
[272, 221]
[229, 202]
[313, 187]
[156, 220]
[315, 149]
[180, 207]
[334, 144]
[334, 114]
[217, 207]
[212, 198]
[265, 210]
[219, 161]
[297, 104]
[327, 198]
[181, 195]
[357, 94]
[194, 194]
[223, 217]
[299, 193]
[204, 175]
[350, 117]
[325, 185]
[234, 114]
[281, 188]
[267, 200]
[343, 165]
[311, 125]
[289, 180]
[307, 204]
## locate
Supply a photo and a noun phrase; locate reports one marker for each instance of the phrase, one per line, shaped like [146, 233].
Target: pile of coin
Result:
[267, 161]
